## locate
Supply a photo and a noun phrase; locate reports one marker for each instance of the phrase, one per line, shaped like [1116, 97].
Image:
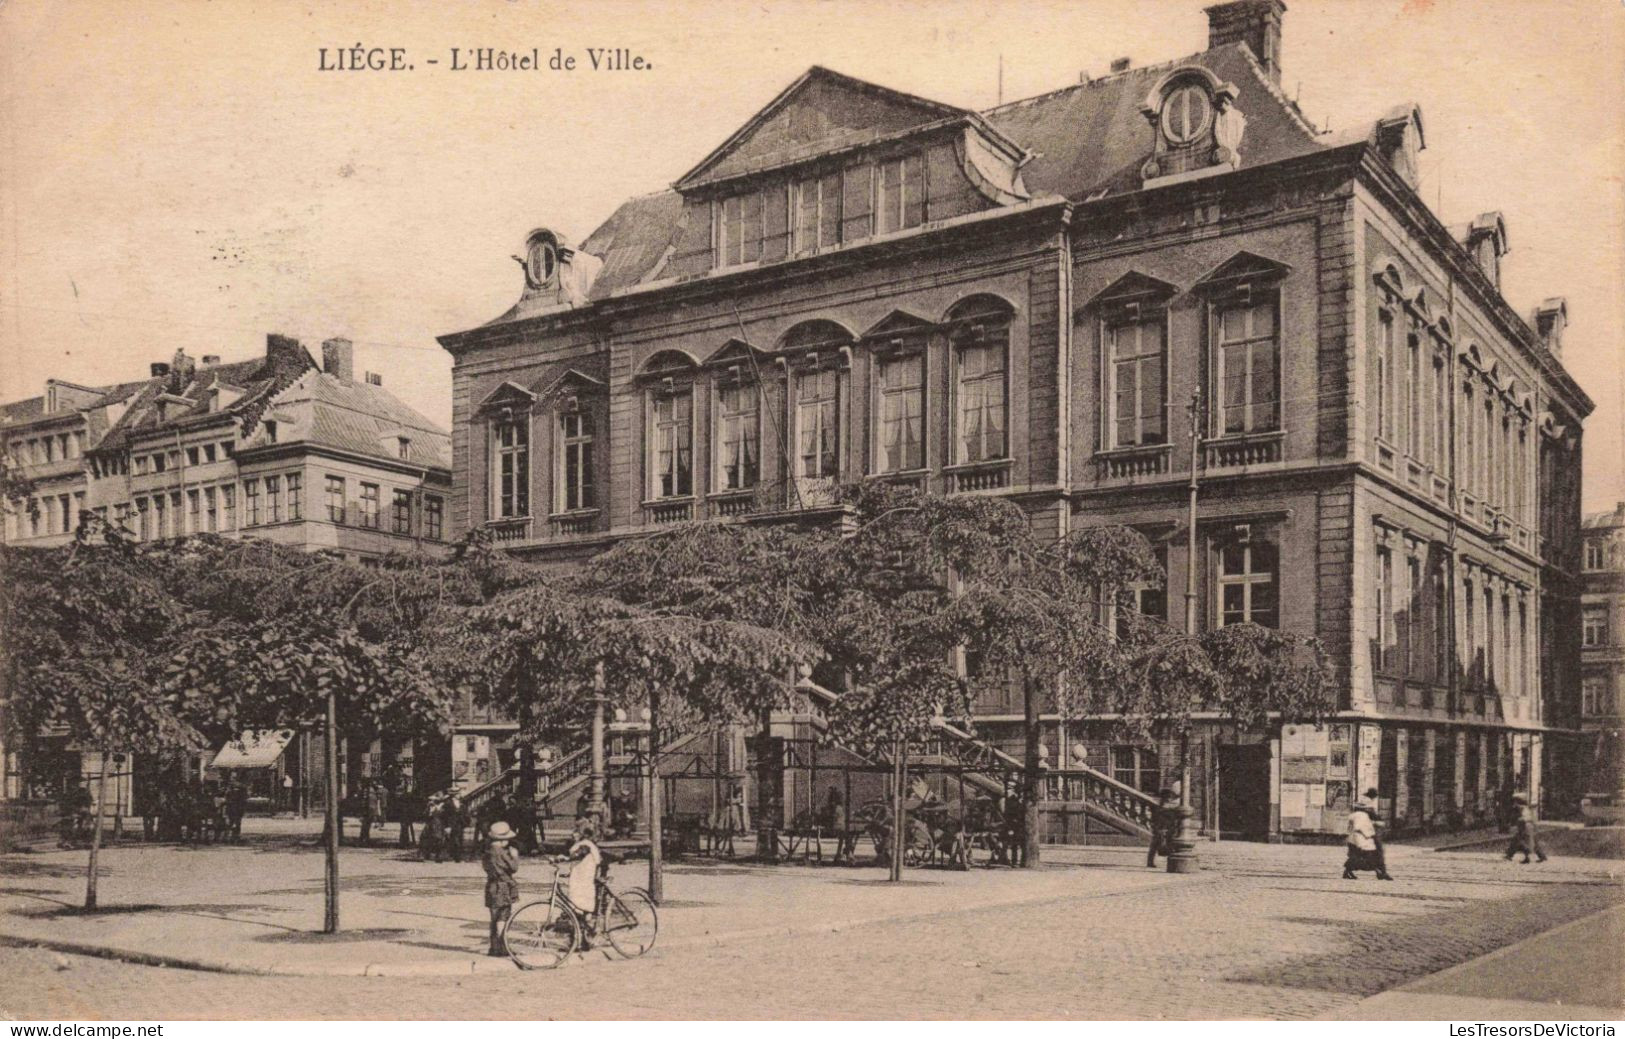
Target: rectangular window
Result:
[739, 435]
[1137, 383]
[1383, 359]
[1247, 583]
[1443, 638]
[817, 424]
[673, 448]
[1467, 465]
[160, 462]
[739, 230]
[1415, 651]
[177, 518]
[434, 517]
[143, 526]
[1594, 626]
[817, 209]
[1594, 555]
[140, 465]
[228, 507]
[1441, 415]
[159, 529]
[982, 396]
[403, 447]
[1413, 396]
[1385, 607]
[273, 499]
[211, 509]
[191, 456]
[1248, 363]
[400, 512]
[512, 442]
[296, 502]
[1595, 696]
[1469, 629]
[899, 194]
[208, 452]
[576, 436]
[369, 506]
[335, 499]
[194, 512]
[902, 413]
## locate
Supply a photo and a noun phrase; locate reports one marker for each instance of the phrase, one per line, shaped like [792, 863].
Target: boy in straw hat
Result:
[501, 889]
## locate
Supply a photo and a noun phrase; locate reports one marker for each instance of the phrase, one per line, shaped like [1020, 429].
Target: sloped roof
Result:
[25, 410]
[259, 378]
[1085, 140]
[1092, 137]
[358, 417]
[1604, 520]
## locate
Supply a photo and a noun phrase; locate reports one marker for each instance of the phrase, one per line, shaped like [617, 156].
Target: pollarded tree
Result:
[84, 630]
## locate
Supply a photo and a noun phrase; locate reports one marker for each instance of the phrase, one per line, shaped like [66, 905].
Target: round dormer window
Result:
[1187, 112]
[540, 262]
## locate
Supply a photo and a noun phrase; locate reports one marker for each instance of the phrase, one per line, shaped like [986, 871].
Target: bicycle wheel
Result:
[631, 923]
[540, 935]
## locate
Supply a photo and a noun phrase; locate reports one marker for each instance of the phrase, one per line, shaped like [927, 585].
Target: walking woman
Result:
[1525, 834]
[1364, 849]
[501, 887]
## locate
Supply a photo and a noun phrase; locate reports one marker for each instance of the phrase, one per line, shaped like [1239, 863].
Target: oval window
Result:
[540, 262]
[1186, 113]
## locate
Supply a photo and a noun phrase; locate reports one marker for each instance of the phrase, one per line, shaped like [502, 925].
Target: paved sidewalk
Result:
[257, 908]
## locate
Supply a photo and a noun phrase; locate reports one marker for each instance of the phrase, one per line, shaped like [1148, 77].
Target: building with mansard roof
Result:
[862, 284]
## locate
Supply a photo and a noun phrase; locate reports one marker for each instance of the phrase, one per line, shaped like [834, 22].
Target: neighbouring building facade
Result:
[860, 284]
[1602, 656]
[275, 447]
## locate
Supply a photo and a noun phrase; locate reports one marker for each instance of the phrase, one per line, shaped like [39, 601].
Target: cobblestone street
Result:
[1263, 932]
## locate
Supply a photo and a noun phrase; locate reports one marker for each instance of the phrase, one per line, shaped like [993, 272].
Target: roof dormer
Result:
[1196, 126]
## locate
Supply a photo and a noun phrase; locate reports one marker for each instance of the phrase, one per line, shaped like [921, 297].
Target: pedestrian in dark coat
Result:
[453, 821]
[1163, 823]
[407, 809]
[501, 884]
[1525, 833]
[236, 808]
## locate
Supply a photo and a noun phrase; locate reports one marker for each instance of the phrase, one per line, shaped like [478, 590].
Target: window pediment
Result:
[1131, 294]
[509, 396]
[571, 385]
[736, 354]
[1242, 274]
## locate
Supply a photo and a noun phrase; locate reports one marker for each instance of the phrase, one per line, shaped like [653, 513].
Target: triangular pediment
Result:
[1133, 287]
[898, 323]
[1244, 268]
[820, 112]
[736, 351]
[507, 395]
[569, 381]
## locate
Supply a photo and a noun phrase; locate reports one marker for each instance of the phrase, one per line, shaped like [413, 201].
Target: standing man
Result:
[1163, 822]
[372, 809]
[1525, 834]
[236, 808]
[287, 794]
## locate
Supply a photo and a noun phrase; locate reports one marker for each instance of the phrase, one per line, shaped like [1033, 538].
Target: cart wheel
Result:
[540, 935]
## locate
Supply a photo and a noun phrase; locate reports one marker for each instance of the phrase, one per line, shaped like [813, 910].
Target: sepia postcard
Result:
[797, 510]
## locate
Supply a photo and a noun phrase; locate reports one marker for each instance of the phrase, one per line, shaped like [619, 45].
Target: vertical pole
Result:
[330, 925]
[596, 785]
[898, 823]
[1183, 857]
[1029, 776]
[96, 832]
[656, 853]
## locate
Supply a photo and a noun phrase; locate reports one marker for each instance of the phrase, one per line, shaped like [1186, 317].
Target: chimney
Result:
[1487, 241]
[1257, 23]
[284, 349]
[1551, 317]
[210, 360]
[158, 369]
[338, 359]
[374, 379]
[1121, 64]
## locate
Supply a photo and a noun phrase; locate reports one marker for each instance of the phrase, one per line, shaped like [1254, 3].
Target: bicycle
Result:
[542, 934]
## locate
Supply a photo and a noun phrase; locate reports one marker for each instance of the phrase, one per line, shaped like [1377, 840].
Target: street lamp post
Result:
[1183, 857]
[599, 780]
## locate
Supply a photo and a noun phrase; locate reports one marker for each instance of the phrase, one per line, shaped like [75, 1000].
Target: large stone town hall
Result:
[863, 284]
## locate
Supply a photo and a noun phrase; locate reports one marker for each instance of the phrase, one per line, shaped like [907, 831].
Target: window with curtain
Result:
[1385, 608]
[1413, 395]
[672, 450]
[902, 413]
[1249, 355]
[982, 354]
[1382, 359]
[1246, 581]
[1137, 358]
[817, 423]
[738, 436]
[511, 440]
[576, 484]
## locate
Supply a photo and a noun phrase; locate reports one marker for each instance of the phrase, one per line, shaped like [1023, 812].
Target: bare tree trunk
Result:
[1029, 775]
[656, 857]
[330, 922]
[96, 831]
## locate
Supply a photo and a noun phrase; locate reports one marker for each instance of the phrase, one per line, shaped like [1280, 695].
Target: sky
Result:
[184, 175]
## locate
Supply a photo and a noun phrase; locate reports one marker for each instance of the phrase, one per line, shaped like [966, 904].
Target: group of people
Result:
[174, 807]
[500, 860]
